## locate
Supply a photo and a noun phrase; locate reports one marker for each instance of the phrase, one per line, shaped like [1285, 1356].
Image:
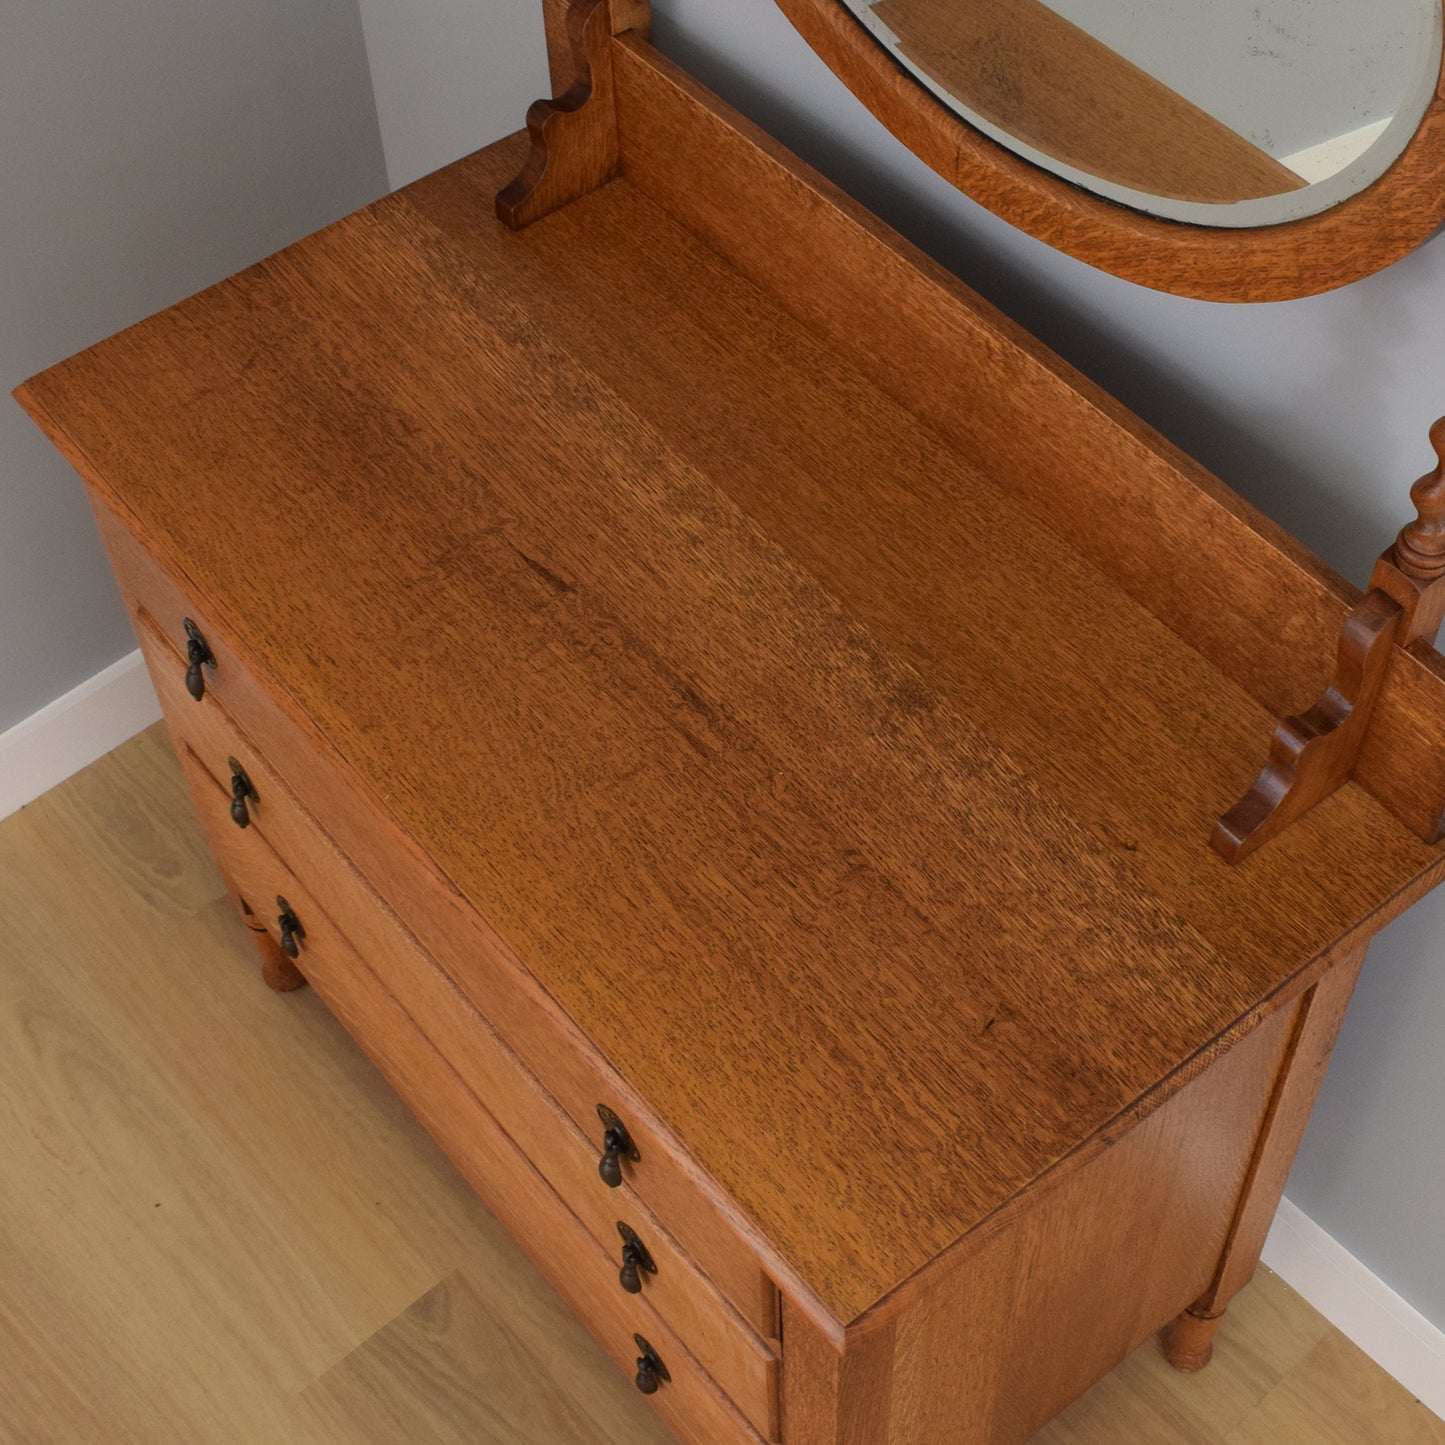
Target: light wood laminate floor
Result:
[217, 1224]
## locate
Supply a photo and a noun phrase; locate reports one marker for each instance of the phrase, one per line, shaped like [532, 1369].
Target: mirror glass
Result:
[1226, 113]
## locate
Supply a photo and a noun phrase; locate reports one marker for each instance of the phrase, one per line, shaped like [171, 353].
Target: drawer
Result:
[563, 1250]
[744, 1366]
[475, 962]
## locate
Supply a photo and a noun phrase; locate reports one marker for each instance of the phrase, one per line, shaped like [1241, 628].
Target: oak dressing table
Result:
[734, 726]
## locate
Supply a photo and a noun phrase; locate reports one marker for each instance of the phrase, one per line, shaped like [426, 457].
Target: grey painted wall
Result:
[147, 149]
[1315, 410]
[449, 75]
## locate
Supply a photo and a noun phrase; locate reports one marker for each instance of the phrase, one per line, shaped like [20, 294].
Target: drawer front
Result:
[475, 962]
[743, 1365]
[537, 1218]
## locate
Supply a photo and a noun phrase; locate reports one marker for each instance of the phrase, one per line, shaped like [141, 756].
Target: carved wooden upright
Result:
[1315, 753]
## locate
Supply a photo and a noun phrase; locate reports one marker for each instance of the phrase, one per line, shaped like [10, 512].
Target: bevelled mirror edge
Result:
[1361, 235]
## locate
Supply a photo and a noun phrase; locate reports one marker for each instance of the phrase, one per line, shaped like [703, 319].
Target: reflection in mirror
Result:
[1232, 113]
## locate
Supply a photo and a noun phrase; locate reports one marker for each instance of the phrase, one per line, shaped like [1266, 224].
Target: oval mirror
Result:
[1262, 148]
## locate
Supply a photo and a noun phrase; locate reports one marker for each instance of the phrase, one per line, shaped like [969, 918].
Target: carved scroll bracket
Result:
[575, 148]
[1312, 754]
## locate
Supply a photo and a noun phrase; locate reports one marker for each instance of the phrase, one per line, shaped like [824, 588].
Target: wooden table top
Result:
[861, 823]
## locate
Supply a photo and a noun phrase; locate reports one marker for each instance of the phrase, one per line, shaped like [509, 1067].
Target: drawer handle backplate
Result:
[616, 1145]
[651, 1372]
[636, 1258]
[243, 790]
[198, 655]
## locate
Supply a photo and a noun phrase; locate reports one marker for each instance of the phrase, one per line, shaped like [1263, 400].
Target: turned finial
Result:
[1420, 547]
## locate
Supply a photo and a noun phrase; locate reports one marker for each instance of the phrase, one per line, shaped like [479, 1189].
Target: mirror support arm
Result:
[575, 147]
[1314, 753]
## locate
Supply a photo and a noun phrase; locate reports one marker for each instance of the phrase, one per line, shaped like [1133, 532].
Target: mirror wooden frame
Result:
[1363, 234]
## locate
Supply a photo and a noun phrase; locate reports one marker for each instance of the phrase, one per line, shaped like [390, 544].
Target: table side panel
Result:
[1003, 1332]
[916, 546]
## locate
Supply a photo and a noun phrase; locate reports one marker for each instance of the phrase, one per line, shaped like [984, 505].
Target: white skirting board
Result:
[75, 730]
[1358, 1304]
[114, 705]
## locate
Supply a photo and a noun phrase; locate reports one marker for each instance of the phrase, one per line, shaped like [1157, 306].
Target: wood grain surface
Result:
[1371, 229]
[1052, 85]
[573, 138]
[834, 816]
[190, 1255]
[484, 978]
[1318, 1021]
[1028, 1312]
[688, 1303]
[1256, 602]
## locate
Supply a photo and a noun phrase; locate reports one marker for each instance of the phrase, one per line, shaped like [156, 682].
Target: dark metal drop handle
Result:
[651, 1372]
[243, 790]
[629, 1275]
[291, 929]
[198, 655]
[636, 1259]
[616, 1145]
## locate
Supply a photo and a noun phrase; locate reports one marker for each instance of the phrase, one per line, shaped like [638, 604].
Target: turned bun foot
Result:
[1189, 1341]
[281, 974]
[278, 970]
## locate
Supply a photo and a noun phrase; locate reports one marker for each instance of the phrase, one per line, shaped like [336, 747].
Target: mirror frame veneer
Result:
[1364, 234]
